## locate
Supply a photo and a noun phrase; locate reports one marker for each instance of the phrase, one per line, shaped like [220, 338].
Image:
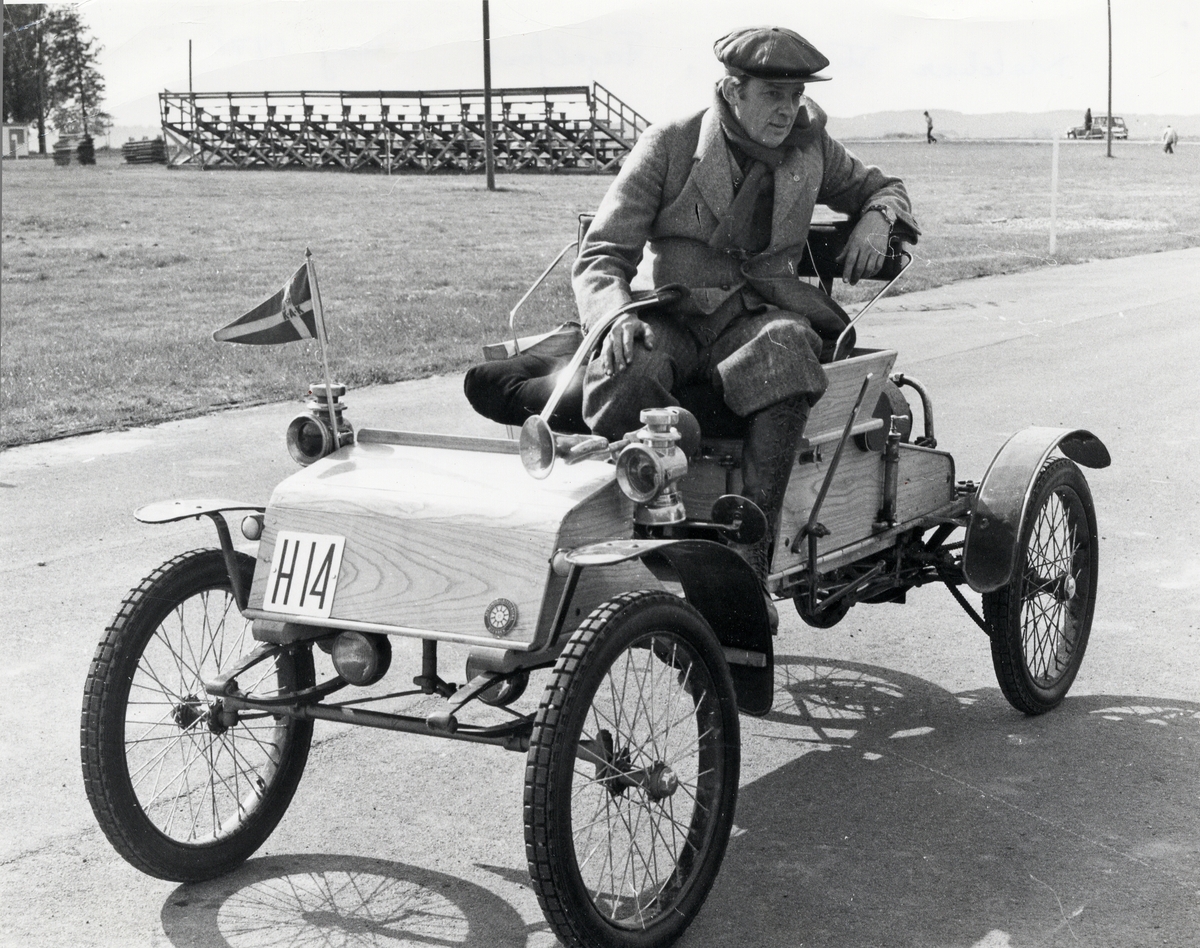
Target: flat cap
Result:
[770, 52]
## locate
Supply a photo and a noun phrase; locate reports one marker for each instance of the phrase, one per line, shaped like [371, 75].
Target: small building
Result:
[16, 141]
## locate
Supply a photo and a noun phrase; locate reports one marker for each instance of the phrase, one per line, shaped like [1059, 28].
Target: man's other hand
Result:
[866, 249]
[617, 351]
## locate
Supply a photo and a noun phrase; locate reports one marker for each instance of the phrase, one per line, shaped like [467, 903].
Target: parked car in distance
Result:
[1099, 128]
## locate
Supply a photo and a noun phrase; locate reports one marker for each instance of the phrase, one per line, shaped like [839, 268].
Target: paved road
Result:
[892, 798]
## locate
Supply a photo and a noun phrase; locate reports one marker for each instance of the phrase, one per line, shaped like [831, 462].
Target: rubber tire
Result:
[1005, 610]
[592, 650]
[106, 704]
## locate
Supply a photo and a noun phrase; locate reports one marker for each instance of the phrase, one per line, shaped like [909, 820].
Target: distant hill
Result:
[962, 125]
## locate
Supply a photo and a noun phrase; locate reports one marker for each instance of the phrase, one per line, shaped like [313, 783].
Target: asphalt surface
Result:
[892, 797]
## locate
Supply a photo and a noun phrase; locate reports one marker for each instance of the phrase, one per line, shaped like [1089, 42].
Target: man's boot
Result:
[768, 455]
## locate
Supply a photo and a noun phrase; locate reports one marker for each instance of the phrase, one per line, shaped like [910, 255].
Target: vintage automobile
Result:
[1099, 128]
[606, 569]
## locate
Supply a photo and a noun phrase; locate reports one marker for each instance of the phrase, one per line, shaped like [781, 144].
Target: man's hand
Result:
[867, 248]
[617, 350]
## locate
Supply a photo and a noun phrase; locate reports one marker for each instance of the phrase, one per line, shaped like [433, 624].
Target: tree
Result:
[25, 67]
[50, 73]
[75, 83]
[68, 120]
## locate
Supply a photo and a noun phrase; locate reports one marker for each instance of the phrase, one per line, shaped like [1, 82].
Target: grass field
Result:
[115, 276]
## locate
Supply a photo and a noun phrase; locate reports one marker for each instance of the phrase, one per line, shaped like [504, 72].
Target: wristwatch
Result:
[883, 209]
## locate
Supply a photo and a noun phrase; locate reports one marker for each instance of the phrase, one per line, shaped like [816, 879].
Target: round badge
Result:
[500, 616]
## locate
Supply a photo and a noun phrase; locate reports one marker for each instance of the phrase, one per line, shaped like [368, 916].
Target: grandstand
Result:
[542, 129]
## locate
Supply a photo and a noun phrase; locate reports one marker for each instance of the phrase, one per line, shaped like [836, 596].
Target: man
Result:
[1170, 140]
[724, 199]
[929, 139]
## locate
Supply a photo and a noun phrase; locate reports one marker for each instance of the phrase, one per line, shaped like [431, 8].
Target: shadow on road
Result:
[309, 901]
[912, 816]
[889, 812]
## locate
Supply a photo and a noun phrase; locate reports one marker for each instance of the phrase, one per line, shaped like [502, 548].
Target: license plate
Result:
[304, 574]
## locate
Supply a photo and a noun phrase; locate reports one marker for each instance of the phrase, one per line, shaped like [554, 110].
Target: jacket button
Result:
[795, 177]
[724, 286]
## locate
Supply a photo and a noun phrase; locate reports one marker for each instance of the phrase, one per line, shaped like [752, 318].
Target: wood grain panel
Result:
[434, 535]
[829, 414]
[850, 507]
[428, 440]
[926, 481]
[606, 515]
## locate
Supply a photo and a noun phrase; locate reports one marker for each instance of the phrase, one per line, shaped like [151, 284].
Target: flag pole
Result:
[320, 317]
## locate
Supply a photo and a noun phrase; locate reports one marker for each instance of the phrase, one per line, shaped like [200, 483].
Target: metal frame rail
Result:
[536, 129]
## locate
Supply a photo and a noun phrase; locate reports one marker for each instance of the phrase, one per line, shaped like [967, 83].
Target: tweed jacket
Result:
[678, 182]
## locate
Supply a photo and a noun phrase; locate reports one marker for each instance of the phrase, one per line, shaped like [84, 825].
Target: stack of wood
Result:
[145, 152]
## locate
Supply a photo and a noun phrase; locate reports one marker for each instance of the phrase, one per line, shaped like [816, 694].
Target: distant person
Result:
[1170, 139]
[1087, 120]
[929, 139]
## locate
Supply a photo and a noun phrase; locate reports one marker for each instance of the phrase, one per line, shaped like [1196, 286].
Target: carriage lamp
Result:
[650, 467]
[310, 435]
[362, 658]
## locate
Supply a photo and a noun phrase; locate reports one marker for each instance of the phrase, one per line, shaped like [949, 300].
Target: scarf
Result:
[746, 226]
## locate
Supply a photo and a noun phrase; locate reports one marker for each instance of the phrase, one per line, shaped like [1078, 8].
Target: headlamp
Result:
[310, 435]
[362, 658]
[649, 469]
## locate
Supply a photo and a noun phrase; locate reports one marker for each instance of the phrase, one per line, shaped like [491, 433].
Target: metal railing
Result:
[541, 128]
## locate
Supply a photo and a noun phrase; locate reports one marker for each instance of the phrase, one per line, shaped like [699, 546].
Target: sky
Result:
[974, 56]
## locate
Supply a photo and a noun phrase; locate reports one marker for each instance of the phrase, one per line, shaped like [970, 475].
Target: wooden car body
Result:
[437, 529]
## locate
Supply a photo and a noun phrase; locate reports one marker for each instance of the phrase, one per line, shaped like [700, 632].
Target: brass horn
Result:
[540, 447]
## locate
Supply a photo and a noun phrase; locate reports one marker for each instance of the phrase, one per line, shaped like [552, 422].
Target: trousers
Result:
[762, 355]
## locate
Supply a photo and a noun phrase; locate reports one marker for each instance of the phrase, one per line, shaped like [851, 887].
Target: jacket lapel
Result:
[712, 172]
[790, 182]
[791, 179]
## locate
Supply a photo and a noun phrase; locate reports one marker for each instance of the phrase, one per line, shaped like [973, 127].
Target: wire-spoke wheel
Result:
[185, 789]
[632, 774]
[1039, 622]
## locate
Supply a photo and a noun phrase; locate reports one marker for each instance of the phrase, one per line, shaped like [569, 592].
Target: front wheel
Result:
[184, 789]
[1039, 622]
[632, 774]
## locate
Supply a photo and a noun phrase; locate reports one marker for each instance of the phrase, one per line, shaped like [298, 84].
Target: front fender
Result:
[724, 589]
[990, 546]
[168, 511]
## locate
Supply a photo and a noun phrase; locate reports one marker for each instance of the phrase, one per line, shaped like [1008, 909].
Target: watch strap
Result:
[888, 214]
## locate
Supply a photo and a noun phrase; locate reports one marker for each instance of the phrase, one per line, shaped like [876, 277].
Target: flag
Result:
[285, 317]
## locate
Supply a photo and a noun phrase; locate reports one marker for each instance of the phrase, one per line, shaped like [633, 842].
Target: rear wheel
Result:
[1039, 622]
[632, 776]
[184, 789]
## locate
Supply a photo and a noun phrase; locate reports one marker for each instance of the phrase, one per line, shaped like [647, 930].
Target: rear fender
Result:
[990, 546]
[723, 588]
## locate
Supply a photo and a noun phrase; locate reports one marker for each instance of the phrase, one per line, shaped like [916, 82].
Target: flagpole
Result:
[320, 317]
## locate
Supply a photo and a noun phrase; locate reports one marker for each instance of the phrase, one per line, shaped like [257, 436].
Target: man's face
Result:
[765, 109]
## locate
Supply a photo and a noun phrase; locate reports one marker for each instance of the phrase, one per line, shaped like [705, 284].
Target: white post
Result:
[1053, 193]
